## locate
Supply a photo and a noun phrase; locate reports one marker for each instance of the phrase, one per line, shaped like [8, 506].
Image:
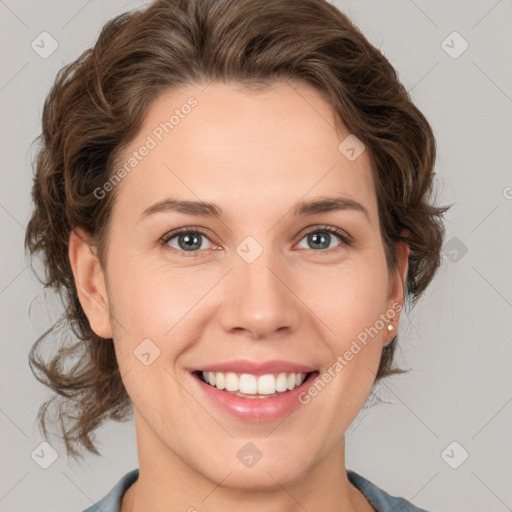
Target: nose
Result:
[260, 299]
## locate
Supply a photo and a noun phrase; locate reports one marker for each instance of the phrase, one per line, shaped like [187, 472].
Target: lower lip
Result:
[256, 409]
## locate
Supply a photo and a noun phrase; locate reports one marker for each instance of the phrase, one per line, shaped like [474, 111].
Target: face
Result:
[266, 280]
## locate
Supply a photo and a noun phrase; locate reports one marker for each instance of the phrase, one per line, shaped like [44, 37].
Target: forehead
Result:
[226, 144]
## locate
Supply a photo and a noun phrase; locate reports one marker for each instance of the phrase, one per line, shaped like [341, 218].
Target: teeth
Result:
[248, 384]
[282, 382]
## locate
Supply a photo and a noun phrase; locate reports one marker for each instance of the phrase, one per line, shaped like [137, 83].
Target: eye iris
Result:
[315, 238]
[191, 242]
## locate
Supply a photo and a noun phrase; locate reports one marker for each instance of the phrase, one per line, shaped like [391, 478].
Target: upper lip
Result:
[256, 368]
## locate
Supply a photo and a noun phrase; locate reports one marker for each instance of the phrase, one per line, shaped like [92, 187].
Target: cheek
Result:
[150, 299]
[150, 302]
[347, 298]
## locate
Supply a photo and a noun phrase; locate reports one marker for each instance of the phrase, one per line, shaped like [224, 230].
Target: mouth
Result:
[253, 391]
[246, 385]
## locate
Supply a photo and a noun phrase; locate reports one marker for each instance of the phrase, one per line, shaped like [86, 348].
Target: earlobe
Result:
[90, 283]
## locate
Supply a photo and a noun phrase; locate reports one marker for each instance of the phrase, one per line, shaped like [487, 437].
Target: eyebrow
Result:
[302, 208]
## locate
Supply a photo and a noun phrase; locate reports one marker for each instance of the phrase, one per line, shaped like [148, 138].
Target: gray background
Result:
[457, 340]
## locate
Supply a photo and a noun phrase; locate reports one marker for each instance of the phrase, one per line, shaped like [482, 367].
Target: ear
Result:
[90, 283]
[396, 293]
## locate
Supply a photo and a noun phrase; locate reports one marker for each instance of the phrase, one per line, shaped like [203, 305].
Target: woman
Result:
[234, 198]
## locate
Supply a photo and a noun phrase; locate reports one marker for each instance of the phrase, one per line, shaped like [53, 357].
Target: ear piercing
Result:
[389, 328]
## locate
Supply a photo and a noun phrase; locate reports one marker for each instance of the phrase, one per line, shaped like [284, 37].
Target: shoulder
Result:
[379, 499]
[111, 502]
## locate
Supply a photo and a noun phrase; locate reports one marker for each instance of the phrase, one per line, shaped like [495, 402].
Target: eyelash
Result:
[346, 240]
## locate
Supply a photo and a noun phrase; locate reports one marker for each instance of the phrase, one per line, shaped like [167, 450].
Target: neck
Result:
[166, 481]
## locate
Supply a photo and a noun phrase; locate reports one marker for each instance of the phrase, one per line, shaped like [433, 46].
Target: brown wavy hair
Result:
[97, 104]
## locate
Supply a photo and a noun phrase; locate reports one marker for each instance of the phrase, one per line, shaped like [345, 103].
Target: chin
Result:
[266, 474]
[261, 478]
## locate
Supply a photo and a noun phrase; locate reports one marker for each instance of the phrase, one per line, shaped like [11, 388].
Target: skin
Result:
[241, 150]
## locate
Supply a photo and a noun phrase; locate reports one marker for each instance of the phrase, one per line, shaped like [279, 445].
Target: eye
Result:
[187, 239]
[190, 239]
[320, 237]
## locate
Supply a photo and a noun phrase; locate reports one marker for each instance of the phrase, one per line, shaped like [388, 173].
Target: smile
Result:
[254, 398]
[253, 386]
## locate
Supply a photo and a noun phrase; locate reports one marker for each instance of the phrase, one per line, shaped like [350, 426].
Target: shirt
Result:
[379, 499]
